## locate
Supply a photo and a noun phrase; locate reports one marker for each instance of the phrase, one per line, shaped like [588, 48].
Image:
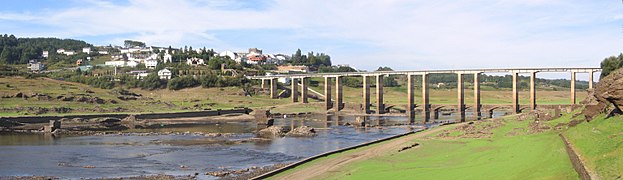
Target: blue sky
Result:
[402, 34]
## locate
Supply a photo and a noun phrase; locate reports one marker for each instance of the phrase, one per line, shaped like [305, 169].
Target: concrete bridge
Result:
[336, 78]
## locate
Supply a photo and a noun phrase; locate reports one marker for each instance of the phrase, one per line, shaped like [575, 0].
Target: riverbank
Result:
[508, 147]
[312, 170]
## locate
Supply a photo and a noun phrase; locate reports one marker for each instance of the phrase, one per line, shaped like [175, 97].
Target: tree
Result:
[297, 57]
[131, 43]
[610, 64]
[384, 69]
[19, 50]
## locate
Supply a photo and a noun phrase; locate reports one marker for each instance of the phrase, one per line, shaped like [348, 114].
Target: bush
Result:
[182, 82]
[151, 82]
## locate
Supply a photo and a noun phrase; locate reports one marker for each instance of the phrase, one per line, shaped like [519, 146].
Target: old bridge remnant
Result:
[337, 103]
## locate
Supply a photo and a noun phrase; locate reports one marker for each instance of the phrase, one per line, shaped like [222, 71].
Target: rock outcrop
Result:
[302, 131]
[610, 89]
[609, 96]
[272, 131]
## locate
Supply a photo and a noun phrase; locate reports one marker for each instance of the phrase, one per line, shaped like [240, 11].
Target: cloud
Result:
[404, 34]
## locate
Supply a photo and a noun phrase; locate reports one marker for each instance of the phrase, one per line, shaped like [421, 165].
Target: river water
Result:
[133, 155]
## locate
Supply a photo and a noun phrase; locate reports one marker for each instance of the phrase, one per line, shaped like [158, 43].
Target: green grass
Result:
[523, 156]
[511, 153]
[600, 145]
[100, 60]
[532, 157]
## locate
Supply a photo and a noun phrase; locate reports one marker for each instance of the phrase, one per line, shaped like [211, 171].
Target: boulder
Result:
[272, 131]
[132, 122]
[98, 100]
[302, 131]
[610, 89]
[82, 99]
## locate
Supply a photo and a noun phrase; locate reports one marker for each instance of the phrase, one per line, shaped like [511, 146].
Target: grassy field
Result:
[511, 152]
[219, 98]
[600, 145]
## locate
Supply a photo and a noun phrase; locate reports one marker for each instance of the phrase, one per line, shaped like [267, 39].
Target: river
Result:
[123, 155]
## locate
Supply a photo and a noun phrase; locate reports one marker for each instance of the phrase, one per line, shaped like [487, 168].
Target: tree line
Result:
[314, 61]
[19, 50]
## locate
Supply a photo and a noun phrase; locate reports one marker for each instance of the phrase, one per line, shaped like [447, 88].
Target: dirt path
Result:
[333, 164]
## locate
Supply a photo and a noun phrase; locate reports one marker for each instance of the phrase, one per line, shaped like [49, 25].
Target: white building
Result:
[130, 50]
[35, 65]
[151, 63]
[167, 58]
[115, 63]
[119, 57]
[230, 54]
[102, 52]
[164, 74]
[70, 53]
[284, 80]
[86, 50]
[131, 63]
[194, 61]
[45, 54]
[65, 52]
[141, 75]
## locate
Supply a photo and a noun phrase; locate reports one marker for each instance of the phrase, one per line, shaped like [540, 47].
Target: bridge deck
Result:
[420, 72]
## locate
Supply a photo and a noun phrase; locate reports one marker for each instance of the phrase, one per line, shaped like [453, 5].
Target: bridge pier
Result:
[436, 113]
[590, 80]
[411, 103]
[273, 88]
[380, 107]
[477, 105]
[294, 92]
[425, 101]
[327, 93]
[339, 105]
[572, 87]
[515, 92]
[304, 92]
[533, 90]
[263, 85]
[366, 95]
[461, 98]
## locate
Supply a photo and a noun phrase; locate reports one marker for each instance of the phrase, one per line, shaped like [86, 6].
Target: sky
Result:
[366, 34]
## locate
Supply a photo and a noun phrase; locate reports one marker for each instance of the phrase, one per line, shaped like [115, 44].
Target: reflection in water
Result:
[120, 155]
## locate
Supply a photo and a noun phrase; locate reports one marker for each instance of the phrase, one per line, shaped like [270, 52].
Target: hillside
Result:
[51, 95]
[21, 96]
